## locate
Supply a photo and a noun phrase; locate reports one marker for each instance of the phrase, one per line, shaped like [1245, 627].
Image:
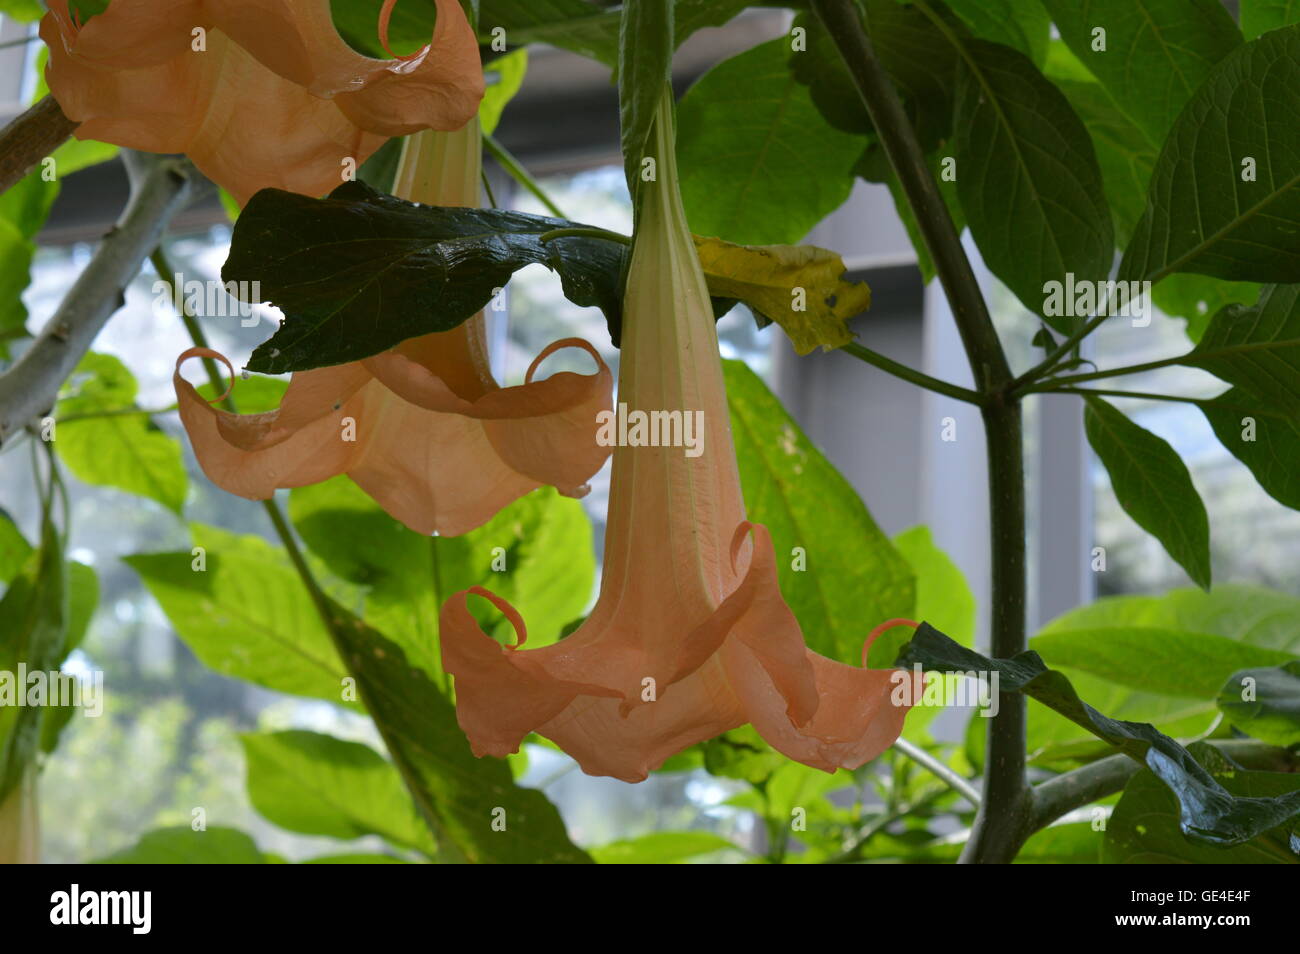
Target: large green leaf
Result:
[1170, 662]
[1260, 16]
[358, 272]
[14, 548]
[1153, 485]
[1257, 348]
[1028, 177]
[1201, 215]
[1023, 26]
[1199, 297]
[1144, 827]
[183, 846]
[536, 553]
[505, 75]
[1269, 445]
[319, 785]
[246, 615]
[23, 210]
[1265, 703]
[459, 795]
[1209, 813]
[1157, 52]
[839, 573]
[126, 451]
[758, 163]
[661, 848]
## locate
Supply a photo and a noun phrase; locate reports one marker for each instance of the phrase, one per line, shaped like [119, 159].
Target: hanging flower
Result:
[258, 93]
[423, 428]
[690, 636]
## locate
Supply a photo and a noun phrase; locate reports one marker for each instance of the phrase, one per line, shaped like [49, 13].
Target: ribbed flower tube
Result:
[690, 636]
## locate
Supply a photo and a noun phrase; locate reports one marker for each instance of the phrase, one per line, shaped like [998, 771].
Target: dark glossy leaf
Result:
[358, 272]
[1157, 52]
[1268, 445]
[1265, 703]
[1144, 827]
[920, 60]
[1201, 215]
[645, 65]
[839, 573]
[758, 163]
[1153, 485]
[1028, 177]
[1209, 813]
[575, 25]
[459, 795]
[1257, 348]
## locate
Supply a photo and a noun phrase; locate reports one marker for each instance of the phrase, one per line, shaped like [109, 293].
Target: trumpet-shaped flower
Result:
[690, 636]
[258, 93]
[423, 428]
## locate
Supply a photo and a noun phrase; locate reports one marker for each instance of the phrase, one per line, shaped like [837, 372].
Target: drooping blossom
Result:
[423, 428]
[690, 636]
[258, 93]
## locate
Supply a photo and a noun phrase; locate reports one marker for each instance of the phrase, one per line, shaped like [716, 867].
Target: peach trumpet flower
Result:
[258, 93]
[423, 428]
[689, 636]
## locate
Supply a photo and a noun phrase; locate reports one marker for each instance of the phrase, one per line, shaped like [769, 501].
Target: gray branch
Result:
[160, 187]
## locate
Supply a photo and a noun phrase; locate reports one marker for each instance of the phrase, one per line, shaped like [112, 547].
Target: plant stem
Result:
[582, 232]
[160, 188]
[30, 138]
[511, 165]
[918, 378]
[1002, 822]
[1052, 360]
[940, 771]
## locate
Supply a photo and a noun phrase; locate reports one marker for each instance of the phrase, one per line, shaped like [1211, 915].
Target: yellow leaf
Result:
[800, 287]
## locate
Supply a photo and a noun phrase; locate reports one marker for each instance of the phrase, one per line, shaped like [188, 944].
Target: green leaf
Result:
[23, 210]
[645, 66]
[460, 795]
[24, 11]
[1209, 813]
[541, 544]
[741, 754]
[1268, 445]
[1260, 16]
[1171, 662]
[126, 451]
[14, 548]
[505, 75]
[1257, 348]
[1153, 485]
[943, 596]
[1144, 827]
[183, 846]
[356, 860]
[1268, 706]
[1027, 175]
[1022, 26]
[1124, 153]
[839, 573]
[758, 163]
[246, 615]
[920, 60]
[34, 611]
[319, 785]
[874, 167]
[1157, 52]
[1201, 216]
[661, 848]
[358, 272]
[83, 599]
[574, 25]
[1198, 298]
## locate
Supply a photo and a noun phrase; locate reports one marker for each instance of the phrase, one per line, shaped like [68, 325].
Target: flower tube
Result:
[690, 636]
[423, 428]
